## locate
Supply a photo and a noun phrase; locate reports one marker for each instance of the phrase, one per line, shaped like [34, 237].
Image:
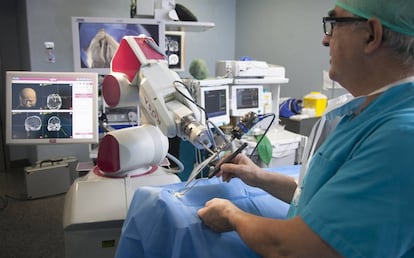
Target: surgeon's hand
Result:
[242, 167]
[217, 214]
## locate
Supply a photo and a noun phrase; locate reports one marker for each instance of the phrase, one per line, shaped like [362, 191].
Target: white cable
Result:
[176, 161]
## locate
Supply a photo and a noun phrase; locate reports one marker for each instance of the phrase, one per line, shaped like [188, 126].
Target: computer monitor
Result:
[96, 39]
[51, 107]
[215, 101]
[246, 98]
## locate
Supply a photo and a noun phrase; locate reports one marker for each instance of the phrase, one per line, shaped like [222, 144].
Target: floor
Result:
[29, 228]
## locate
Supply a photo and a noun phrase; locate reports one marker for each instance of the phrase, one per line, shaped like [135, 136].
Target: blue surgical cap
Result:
[397, 15]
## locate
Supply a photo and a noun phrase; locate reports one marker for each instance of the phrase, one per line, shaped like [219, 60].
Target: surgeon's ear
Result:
[370, 38]
[374, 36]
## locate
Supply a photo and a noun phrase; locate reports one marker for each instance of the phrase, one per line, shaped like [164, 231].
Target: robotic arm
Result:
[166, 102]
[140, 74]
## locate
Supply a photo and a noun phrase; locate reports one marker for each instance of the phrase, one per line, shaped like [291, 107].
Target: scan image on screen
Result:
[51, 108]
[49, 95]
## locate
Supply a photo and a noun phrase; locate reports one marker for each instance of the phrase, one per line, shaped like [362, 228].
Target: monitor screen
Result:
[175, 50]
[51, 107]
[95, 40]
[214, 99]
[246, 98]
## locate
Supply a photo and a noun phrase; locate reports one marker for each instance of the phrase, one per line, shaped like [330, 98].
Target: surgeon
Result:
[357, 196]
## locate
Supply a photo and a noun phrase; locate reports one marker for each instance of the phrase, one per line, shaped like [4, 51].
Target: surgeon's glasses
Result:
[329, 22]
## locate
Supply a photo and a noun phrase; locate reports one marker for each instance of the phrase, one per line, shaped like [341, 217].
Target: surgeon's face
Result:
[346, 51]
[28, 98]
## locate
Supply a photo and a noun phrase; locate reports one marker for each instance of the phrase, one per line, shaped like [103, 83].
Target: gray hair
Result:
[402, 46]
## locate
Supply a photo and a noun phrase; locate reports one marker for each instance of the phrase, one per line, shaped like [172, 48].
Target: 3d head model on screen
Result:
[99, 42]
[27, 98]
[101, 50]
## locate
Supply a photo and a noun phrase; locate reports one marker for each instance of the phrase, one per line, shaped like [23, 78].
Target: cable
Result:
[206, 115]
[189, 99]
[207, 122]
[176, 161]
[222, 134]
[264, 134]
[210, 134]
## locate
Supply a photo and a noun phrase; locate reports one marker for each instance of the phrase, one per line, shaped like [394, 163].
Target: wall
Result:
[50, 20]
[214, 44]
[287, 33]
[13, 56]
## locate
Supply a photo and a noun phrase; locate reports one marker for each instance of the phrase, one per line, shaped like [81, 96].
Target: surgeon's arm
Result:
[268, 237]
[279, 185]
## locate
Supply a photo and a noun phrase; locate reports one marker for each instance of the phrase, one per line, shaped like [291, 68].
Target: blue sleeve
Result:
[367, 208]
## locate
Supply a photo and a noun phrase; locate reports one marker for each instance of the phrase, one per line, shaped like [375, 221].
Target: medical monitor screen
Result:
[95, 40]
[51, 107]
[247, 99]
[214, 99]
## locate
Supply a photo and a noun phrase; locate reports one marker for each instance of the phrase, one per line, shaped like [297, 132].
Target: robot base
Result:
[96, 206]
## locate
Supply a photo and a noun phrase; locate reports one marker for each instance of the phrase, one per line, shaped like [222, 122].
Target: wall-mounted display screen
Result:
[96, 39]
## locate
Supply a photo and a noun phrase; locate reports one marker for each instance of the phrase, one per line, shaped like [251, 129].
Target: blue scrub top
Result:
[358, 194]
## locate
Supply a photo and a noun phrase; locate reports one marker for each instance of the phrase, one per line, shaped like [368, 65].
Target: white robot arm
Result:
[140, 76]
[139, 71]
[166, 102]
